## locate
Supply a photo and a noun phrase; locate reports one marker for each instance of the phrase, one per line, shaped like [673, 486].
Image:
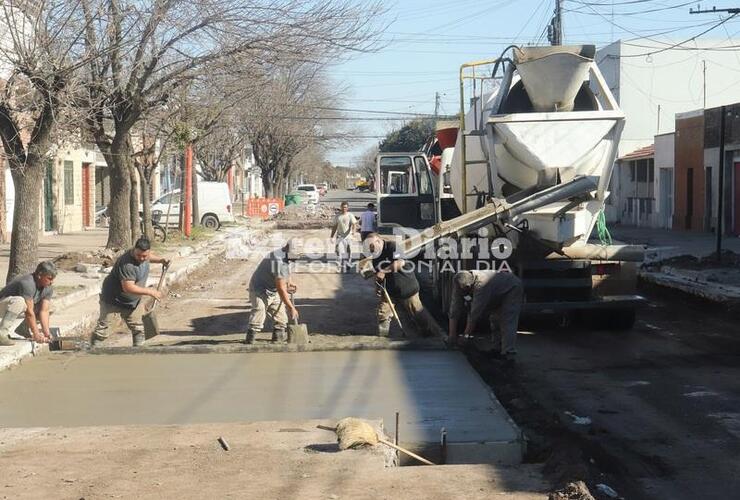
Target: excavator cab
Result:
[405, 191]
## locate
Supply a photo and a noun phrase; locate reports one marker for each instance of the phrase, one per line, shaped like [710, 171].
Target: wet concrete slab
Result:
[430, 389]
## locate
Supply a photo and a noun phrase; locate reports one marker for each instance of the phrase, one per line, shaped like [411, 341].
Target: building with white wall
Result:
[665, 161]
[652, 87]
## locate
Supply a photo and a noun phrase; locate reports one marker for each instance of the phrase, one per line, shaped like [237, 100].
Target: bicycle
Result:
[159, 233]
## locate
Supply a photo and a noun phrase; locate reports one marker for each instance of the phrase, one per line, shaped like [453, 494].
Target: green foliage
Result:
[410, 137]
[182, 134]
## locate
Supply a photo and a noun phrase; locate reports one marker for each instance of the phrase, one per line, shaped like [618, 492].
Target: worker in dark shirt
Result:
[495, 296]
[123, 289]
[397, 275]
[27, 297]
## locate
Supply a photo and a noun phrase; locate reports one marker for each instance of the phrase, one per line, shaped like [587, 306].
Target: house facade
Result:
[652, 87]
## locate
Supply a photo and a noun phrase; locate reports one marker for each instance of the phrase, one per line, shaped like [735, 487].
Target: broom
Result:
[353, 433]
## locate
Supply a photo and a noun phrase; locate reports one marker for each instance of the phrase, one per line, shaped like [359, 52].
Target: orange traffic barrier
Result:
[264, 207]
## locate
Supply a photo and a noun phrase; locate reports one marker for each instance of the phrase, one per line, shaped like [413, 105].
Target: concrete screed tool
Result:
[297, 332]
[151, 327]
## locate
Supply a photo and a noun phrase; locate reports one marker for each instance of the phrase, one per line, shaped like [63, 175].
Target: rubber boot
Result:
[138, 339]
[384, 328]
[5, 340]
[279, 336]
[95, 341]
[249, 339]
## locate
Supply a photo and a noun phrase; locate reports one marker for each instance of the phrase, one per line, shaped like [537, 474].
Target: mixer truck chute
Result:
[530, 161]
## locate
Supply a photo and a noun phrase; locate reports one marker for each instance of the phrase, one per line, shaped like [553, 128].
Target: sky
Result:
[426, 41]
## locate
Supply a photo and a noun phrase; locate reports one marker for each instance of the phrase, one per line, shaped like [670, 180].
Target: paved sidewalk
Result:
[58, 244]
[666, 243]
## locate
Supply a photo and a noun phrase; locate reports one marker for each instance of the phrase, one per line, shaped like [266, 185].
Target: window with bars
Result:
[69, 183]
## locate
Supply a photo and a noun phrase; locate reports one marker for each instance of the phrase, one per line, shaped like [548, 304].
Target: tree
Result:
[287, 119]
[366, 163]
[410, 137]
[39, 55]
[146, 51]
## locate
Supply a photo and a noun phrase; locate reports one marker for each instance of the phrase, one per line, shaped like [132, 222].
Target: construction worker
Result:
[123, 289]
[496, 296]
[397, 276]
[368, 222]
[269, 293]
[344, 226]
[27, 297]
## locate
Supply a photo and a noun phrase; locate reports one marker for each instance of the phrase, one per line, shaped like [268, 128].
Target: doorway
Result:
[86, 216]
[49, 223]
[689, 197]
[666, 197]
[736, 200]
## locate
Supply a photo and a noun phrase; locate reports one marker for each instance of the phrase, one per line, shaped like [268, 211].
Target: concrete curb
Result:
[714, 292]
[13, 355]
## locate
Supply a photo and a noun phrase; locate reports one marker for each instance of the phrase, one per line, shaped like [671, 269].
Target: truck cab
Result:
[405, 191]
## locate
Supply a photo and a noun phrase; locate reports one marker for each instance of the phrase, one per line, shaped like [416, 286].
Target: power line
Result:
[632, 13]
[675, 45]
[714, 10]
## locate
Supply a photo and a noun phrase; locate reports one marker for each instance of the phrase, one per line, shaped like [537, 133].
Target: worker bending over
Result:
[397, 276]
[27, 297]
[496, 296]
[270, 288]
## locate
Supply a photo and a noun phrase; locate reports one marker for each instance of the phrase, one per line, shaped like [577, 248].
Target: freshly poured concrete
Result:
[431, 390]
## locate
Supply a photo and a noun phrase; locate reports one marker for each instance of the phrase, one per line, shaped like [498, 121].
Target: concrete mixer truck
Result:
[520, 181]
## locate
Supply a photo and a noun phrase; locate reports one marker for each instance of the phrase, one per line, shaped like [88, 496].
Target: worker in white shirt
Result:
[368, 221]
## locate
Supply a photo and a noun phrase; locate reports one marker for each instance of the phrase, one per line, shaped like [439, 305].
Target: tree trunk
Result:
[196, 208]
[146, 209]
[119, 228]
[24, 245]
[134, 204]
[267, 184]
[3, 213]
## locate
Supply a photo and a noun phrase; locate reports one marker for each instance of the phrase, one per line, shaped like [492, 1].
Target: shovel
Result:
[297, 333]
[151, 327]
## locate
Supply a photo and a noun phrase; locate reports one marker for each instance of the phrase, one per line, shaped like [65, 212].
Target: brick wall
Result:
[688, 213]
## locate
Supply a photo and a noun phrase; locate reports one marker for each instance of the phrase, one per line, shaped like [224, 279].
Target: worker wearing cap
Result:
[395, 273]
[27, 297]
[269, 293]
[496, 296]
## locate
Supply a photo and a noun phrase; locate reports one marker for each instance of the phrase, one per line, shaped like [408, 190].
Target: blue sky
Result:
[427, 40]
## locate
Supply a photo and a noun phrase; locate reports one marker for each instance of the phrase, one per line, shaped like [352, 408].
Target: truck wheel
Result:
[210, 221]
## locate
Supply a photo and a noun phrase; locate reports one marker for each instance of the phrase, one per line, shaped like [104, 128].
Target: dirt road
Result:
[659, 406]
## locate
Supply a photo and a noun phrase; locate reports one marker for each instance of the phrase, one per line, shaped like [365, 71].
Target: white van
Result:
[214, 205]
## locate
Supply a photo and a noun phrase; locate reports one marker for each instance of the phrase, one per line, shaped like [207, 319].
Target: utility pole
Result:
[721, 184]
[188, 178]
[705, 83]
[555, 28]
[658, 131]
[436, 105]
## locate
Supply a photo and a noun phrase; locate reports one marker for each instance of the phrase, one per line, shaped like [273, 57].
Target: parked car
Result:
[308, 192]
[214, 205]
